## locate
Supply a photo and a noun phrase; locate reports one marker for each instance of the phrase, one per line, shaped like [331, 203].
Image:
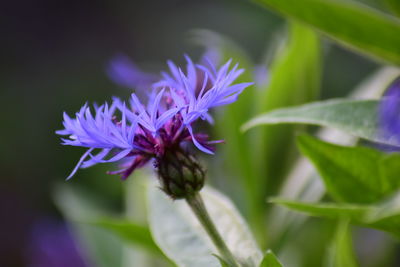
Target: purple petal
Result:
[197, 144]
[165, 117]
[95, 159]
[84, 156]
[155, 106]
[117, 157]
[174, 70]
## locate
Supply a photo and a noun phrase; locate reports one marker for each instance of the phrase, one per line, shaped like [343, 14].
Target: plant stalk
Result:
[196, 203]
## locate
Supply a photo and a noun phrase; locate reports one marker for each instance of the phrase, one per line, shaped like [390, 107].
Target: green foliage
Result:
[394, 6]
[354, 25]
[355, 117]
[386, 216]
[299, 59]
[358, 176]
[383, 216]
[103, 248]
[99, 231]
[342, 253]
[328, 210]
[352, 174]
[270, 260]
[182, 238]
[302, 182]
[130, 232]
[256, 164]
[360, 179]
[221, 261]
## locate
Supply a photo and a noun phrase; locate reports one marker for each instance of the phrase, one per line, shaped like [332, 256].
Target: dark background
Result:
[53, 59]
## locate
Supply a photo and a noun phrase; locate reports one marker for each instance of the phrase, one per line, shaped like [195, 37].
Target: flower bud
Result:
[180, 174]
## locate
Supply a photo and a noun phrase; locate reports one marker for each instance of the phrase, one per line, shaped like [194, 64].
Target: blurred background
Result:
[54, 59]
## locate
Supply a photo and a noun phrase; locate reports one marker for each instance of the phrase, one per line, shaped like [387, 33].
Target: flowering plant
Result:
[357, 174]
[158, 129]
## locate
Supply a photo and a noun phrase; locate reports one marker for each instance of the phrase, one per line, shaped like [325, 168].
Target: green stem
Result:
[196, 203]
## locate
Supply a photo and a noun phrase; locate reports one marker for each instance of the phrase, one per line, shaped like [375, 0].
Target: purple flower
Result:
[389, 113]
[135, 133]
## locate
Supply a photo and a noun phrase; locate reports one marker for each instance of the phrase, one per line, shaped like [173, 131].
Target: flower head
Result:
[135, 133]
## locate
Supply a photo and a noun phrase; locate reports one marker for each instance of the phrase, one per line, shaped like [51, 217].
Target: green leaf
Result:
[342, 253]
[355, 117]
[352, 174]
[271, 155]
[327, 210]
[302, 182]
[386, 216]
[221, 261]
[352, 24]
[390, 168]
[130, 232]
[299, 59]
[144, 253]
[394, 6]
[182, 238]
[270, 260]
[104, 249]
[383, 216]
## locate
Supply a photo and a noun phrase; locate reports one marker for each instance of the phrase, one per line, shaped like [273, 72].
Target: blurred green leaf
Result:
[386, 216]
[137, 254]
[329, 210]
[270, 260]
[349, 23]
[394, 6]
[182, 238]
[271, 150]
[104, 248]
[352, 174]
[383, 216]
[355, 117]
[130, 232]
[390, 168]
[221, 261]
[299, 59]
[303, 183]
[342, 253]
